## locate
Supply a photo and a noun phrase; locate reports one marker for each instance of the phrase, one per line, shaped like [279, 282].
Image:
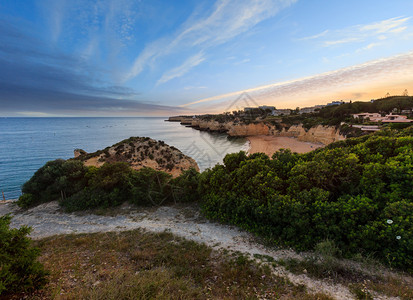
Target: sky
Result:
[161, 58]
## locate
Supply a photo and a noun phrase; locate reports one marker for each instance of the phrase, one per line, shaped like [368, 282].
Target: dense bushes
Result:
[56, 179]
[78, 187]
[19, 269]
[358, 193]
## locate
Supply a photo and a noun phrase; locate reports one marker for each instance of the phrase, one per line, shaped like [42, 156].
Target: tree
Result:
[19, 269]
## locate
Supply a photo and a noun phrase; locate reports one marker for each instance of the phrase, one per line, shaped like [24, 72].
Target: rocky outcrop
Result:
[318, 134]
[210, 125]
[79, 152]
[140, 152]
[179, 118]
[249, 129]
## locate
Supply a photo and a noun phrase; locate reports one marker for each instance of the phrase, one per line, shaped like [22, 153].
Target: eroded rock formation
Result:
[141, 152]
[318, 134]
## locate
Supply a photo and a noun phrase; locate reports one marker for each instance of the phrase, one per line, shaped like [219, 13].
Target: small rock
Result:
[96, 283]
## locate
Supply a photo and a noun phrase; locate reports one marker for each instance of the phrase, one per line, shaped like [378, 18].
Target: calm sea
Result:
[26, 144]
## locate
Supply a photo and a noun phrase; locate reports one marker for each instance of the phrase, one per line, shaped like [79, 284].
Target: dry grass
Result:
[360, 283]
[138, 265]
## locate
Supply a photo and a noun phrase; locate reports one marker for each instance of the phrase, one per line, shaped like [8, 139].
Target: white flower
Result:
[389, 221]
[398, 237]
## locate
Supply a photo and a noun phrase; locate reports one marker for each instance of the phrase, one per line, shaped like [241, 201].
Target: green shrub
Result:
[185, 186]
[78, 187]
[150, 187]
[56, 179]
[116, 183]
[344, 193]
[19, 269]
[399, 125]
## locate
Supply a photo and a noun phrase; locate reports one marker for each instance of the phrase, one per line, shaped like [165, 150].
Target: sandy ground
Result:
[271, 144]
[185, 221]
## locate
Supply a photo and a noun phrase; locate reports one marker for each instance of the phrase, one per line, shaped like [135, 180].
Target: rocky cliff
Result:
[250, 129]
[317, 134]
[141, 152]
[210, 125]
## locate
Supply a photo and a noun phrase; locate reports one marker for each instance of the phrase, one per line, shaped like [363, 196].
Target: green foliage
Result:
[185, 187]
[334, 115]
[116, 183]
[79, 187]
[357, 193]
[344, 193]
[399, 125]
[109, 185]
[381, 105]
[19, 269]
[52, 181]
[150, 187]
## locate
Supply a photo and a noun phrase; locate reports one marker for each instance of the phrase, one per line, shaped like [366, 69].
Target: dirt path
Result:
[47, 220]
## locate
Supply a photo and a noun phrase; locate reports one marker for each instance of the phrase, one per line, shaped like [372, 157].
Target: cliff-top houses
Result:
[376, 117]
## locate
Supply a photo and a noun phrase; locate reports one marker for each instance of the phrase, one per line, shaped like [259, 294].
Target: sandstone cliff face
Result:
[211, 125]
[250, 129]
[139, 153]
[319, 134]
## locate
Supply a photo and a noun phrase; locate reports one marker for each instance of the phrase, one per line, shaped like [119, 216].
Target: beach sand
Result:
[270, 144]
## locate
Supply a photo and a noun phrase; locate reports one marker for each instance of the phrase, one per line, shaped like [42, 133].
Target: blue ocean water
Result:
[26, 144]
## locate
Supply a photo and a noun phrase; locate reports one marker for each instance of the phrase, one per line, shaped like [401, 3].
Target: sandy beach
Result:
[270, 144]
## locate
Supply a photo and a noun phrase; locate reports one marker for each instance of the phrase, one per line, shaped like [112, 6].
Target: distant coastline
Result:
[265, 137]
[26, 144]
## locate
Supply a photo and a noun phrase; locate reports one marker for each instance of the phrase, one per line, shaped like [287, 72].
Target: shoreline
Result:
[270, 144]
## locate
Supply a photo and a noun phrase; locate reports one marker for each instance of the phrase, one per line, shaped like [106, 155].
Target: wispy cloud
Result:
[190, 63]
[98, 26]
[399, 29]
[228, 19]
[384, 26]
[244, 61]
[54, 11]
[34, 81]
[393, 70]
[342, 41]
[364, 32]
[194, 87]
[369, 46]
[316, 36]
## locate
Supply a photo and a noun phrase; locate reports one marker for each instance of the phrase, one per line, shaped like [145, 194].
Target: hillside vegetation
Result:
[335, 114]
[20, 271]
[385, 105]
[357, 193]
[78, 187]
[140, 152]
[141, 265]
[138, 170]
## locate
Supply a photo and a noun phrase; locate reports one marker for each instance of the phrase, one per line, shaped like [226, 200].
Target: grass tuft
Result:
[140, 265]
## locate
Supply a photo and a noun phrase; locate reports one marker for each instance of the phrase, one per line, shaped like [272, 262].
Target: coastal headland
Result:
[267, 137]
[140, 152]
[319, 125]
